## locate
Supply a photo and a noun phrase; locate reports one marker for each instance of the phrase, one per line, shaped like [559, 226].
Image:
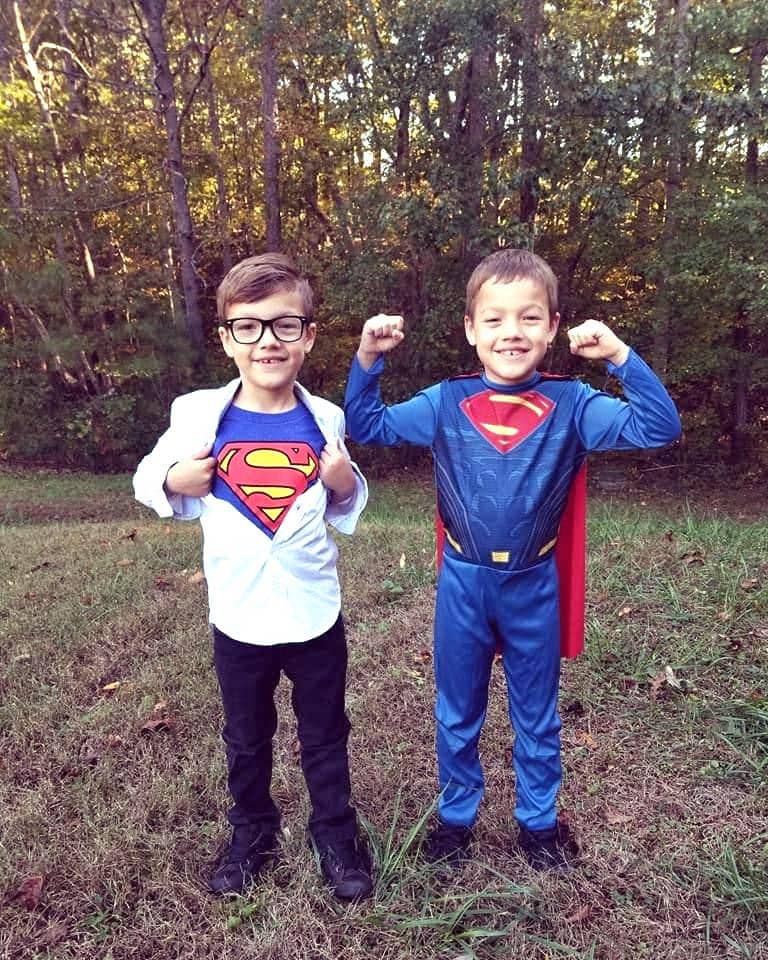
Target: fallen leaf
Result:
[580, 915]
[157, 725]
[54, 933]
[89, 755]
[625, 612]
[614, 818]
[671, 678]
[197, 577]
[28, 893]
[657, 684]
[587, 739]
[695, 556]
[125, 562]
[114, 685]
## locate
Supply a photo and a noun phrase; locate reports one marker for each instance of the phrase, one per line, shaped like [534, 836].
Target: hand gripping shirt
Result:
[265, 586]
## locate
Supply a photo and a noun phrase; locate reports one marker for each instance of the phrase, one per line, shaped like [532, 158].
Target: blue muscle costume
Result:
[504, 459]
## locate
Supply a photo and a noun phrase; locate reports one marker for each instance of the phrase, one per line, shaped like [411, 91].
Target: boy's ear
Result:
[554, 323]
[226, 340]
[469, 330]
[310, 335]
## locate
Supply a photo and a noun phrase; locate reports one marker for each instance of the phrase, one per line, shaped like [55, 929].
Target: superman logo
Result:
[267, 476]
[506, 419]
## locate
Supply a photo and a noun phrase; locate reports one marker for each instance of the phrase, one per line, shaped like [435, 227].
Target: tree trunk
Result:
[58, 159]
[222, 207]
[530, 146]
[740, 433]
[678, 68]
[271, 16]
[184, 231]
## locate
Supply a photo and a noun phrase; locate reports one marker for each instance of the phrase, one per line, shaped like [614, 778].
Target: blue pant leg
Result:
[464, 649]
[528, 622]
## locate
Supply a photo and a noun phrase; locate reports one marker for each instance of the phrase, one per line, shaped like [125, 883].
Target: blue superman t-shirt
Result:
[265, 461]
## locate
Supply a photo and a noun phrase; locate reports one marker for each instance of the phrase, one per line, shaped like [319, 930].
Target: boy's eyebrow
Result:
[526, 306]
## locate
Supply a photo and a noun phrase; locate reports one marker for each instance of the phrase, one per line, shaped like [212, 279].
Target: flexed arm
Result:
[368, 419]
[646, 418]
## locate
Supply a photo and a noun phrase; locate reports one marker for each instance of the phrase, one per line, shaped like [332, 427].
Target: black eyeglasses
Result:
[247, 330]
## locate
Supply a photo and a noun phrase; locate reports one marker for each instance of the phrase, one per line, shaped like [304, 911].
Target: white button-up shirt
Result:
[260, 590]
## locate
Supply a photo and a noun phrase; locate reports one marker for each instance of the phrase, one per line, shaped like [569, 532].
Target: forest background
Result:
[147, 145]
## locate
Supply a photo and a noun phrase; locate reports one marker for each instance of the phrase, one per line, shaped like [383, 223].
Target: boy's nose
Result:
[267, 336]
[511, 327]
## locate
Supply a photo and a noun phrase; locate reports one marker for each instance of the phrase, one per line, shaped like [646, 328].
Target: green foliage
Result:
[398, 173]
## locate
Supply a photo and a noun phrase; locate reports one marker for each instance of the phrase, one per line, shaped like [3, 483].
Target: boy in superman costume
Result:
[507, 444]
[261, 463]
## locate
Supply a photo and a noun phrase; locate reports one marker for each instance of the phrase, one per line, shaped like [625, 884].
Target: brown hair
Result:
[504, 266]
[258, 277]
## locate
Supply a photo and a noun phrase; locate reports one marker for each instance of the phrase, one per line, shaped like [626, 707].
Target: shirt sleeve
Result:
[647, 417]
[149, 479]
[370, 421]
[344, 514]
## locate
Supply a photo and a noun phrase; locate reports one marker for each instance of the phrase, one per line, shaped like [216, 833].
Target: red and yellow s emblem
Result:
[506, 419]
[268, 476]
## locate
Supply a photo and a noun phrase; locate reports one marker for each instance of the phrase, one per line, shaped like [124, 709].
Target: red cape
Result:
[571, 559]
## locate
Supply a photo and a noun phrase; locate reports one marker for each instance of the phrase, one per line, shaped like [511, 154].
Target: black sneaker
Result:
[243, 861]
[447, 844]
[346, 868]
[552, 849]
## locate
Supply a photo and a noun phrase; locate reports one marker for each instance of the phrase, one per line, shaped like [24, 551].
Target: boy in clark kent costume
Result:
[261, 463]
[507, 444]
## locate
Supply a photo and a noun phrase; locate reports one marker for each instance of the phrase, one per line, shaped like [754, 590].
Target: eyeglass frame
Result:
[305, 321]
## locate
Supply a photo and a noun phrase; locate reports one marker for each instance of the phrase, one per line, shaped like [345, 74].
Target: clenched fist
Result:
[381, 334]
[596, 341]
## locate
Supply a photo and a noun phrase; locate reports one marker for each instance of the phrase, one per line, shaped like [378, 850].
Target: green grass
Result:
[112, 772]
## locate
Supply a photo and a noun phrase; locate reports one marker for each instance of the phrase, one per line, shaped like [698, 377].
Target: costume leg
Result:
[318, 670]
[528, 622]
[464, 649]
[248, 676]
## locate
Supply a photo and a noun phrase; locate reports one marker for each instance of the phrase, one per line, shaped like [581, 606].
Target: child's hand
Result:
[336, 471]
[381, 334]
[596, 341]
[193, 476]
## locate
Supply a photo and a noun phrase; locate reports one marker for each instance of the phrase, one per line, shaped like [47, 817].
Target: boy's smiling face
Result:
[511, 328]
[269, 368]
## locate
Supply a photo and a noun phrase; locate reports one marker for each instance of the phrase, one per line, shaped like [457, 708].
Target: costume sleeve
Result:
[149, 479]
[370, 421]
[344, 514]
[646, 418]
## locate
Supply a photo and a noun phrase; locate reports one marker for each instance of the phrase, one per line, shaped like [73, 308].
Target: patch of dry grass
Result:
[112, 787]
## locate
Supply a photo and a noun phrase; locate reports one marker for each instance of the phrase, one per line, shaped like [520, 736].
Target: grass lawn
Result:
[112, 792]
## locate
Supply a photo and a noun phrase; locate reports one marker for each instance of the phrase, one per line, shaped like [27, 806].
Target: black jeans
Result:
[248, 676]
